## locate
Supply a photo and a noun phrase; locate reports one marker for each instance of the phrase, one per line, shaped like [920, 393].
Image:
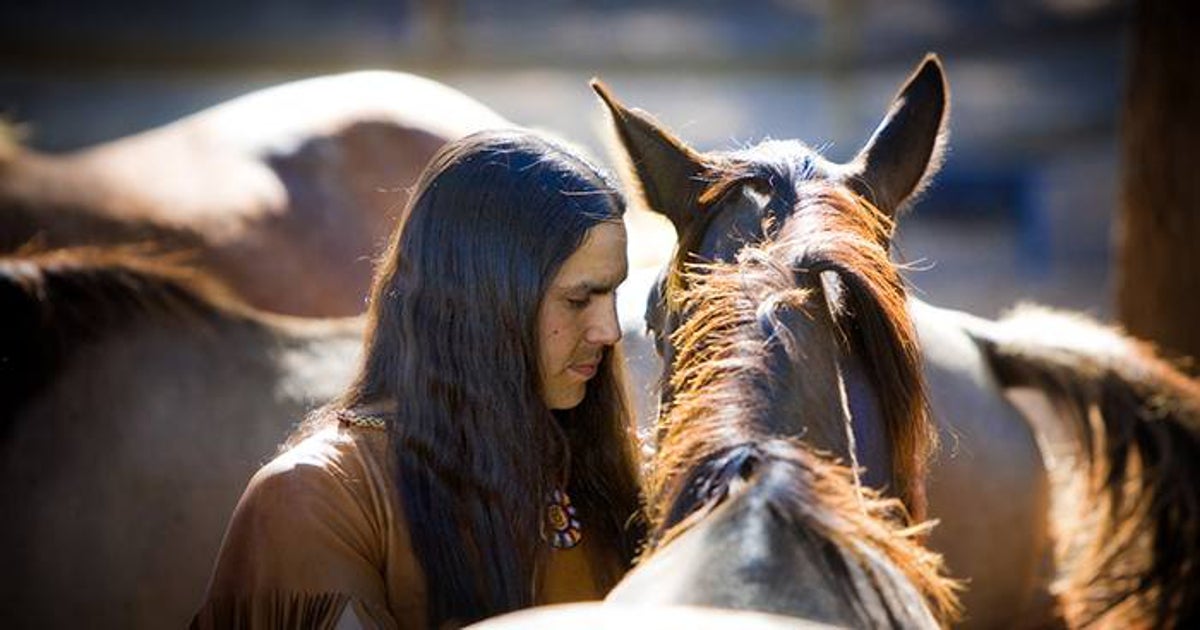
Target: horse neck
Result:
[754, 365]
[807, 395]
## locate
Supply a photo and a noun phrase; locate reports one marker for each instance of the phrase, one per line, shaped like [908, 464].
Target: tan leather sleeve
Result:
[308, 536]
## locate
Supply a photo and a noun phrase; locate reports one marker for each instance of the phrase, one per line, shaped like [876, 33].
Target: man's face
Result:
[578, 316]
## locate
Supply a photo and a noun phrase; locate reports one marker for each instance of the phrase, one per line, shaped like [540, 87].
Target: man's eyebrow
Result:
[591, 286]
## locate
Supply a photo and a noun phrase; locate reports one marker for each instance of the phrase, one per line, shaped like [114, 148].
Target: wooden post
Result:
[1158, 227]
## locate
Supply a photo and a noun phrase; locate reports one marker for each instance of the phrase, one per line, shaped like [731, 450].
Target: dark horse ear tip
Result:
[930, 72]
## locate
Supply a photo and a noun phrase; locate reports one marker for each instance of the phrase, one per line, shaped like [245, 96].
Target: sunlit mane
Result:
[1137, 563]
[718, 377]
[722, 383]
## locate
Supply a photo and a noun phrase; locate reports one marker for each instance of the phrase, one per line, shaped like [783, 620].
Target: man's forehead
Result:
[592, 278]
[594, 273]
[600, 262]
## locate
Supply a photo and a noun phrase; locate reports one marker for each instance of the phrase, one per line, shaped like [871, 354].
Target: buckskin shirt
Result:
[319, 533]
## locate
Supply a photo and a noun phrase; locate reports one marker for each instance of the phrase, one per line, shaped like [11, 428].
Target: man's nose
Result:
[606, 328]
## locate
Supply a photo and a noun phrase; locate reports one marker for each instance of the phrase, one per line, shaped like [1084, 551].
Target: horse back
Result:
[302, 181]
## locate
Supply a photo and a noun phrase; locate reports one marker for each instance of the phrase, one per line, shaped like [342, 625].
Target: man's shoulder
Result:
[332, 455]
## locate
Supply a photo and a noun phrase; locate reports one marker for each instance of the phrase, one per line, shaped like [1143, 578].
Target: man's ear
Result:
[668, 172]
[906, 149]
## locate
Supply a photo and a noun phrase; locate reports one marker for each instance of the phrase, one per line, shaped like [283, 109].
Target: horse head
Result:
[829, 226]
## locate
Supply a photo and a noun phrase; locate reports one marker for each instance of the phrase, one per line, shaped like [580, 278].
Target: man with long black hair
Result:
[483, 459]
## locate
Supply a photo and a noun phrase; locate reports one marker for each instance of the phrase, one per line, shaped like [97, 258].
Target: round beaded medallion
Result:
[560, 527]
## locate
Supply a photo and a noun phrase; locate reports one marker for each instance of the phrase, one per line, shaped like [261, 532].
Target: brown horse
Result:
[744, 516]
[136, 399]
[284, 194]
[989, 485]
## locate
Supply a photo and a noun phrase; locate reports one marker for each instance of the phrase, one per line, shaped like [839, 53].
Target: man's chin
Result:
[567, 400]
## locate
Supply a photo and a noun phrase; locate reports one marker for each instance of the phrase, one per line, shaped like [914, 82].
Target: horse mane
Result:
[721, 380]
[57, 300]
[722, 339]
[1139, 422]
[860, 538]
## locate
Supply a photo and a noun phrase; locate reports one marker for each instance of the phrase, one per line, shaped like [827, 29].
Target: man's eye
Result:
[580, 303]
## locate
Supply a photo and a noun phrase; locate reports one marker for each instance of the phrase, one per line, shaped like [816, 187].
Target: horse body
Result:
[988, 485]
[299, 181]
[135, 407]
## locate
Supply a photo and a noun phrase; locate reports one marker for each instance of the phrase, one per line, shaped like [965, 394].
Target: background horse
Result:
[137, 397]
[988, 486]
[284, 193]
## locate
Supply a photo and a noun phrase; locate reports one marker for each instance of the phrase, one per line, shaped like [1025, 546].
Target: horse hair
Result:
[831, 230]
[56, 301]
[711, 433]
[1139, 421]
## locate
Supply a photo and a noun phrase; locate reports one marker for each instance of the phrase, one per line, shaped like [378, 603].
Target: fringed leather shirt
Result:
[319, 534]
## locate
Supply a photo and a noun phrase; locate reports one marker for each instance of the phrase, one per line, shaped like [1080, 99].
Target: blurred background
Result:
[1022, 209]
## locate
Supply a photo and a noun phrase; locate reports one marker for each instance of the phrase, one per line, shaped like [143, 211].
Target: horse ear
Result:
[669, 173]
[906, 149]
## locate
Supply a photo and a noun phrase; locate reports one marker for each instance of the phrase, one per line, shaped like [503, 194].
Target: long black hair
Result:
[452, 339]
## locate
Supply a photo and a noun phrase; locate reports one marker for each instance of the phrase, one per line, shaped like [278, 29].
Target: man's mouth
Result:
[586, 370]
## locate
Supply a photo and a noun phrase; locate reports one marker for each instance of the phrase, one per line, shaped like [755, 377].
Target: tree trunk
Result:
[1158, 230]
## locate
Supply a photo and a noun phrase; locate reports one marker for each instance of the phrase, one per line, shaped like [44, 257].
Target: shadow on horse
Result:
[137, 396]
[284, 194]
[909, 374]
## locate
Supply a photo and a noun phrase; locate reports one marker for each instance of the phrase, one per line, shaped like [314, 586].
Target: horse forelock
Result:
[835, 230]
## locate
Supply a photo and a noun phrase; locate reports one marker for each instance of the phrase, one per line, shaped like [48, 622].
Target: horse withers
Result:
[988, 486]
